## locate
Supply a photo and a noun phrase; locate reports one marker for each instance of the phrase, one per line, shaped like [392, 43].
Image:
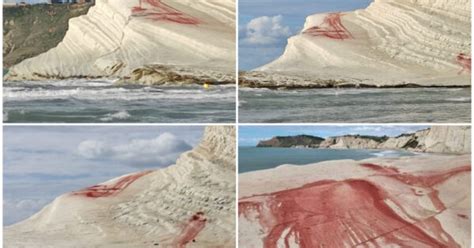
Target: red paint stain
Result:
[464, 61]
[427, 179]
[349, 213]
[193, 227]
[159, 11]
[331, 27]
[463, 216]
[103, 190]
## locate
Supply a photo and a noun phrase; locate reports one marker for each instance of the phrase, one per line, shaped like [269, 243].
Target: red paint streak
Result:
[427, 179]
[381, 169]
[463, 216]
[103, 190]
[464, 61]
[194, 226]
[331, 27]
[159, 11]
[348, 213]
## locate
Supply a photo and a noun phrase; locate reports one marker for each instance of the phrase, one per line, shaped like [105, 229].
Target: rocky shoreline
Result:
[278, 81]
[152, 75]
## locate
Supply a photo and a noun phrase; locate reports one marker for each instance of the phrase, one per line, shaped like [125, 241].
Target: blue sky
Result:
[265, 25]
[41, 163]
[251, 135]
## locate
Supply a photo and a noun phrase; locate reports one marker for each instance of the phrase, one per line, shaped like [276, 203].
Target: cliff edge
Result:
[437, 139]
[189, 204]
[142, 41]
[391, 43]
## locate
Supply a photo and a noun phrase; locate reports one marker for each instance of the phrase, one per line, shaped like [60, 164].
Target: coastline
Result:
[256, 159]
[280, 81]
[152, 75]
[368, 149]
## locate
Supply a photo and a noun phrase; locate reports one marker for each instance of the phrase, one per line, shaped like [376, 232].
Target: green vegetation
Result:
[291, 141]
[378, 139]
[34, 29]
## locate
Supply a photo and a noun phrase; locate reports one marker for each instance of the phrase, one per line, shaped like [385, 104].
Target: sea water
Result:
[83, 100]
[260, 158]
[355, 105]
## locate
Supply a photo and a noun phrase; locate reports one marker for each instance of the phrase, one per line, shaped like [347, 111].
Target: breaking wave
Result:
[104, 101]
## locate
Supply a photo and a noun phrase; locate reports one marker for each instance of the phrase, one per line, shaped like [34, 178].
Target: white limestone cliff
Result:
[118, 37]
[390, 43]
[189, 204]
[437, 139]
[349, 142]
[445, 139]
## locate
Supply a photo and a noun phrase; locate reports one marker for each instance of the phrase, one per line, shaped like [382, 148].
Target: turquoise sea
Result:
[258, 158]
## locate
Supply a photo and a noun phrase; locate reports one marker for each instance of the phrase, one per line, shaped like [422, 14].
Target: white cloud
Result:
[265, 30]
[160, 151]
[91, 148]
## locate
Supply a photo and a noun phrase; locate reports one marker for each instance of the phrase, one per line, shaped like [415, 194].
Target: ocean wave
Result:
[114, 93]
[348, 91]
[388, 153]
[312, 92]
[121, 115]
[255, 90]
[459, 99]
[62, 83]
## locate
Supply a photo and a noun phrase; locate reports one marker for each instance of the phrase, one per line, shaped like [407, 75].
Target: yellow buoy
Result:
[206, 85]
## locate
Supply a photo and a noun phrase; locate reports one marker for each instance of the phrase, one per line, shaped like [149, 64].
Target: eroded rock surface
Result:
[391, 43]
[190, 204]
[118, 37]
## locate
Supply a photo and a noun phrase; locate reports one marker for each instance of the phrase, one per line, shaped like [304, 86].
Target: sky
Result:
[251, 135]
[41, 163]
[265, 25]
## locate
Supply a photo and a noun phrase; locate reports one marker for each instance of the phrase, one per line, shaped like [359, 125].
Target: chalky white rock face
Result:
[349, 142]
[189, 204]
[436, 139]
[118, 36]
[443, 139]
[421, 201]
[391, 42]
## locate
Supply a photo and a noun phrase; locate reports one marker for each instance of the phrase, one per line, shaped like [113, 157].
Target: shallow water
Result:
[260, 158]
[355, 105]
[82, 101]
